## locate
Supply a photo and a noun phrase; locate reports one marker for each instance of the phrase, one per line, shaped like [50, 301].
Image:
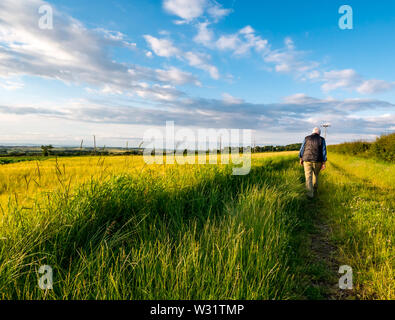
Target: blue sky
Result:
[121, 67]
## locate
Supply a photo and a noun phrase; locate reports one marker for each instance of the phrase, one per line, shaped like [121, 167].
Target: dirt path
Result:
[324, 256]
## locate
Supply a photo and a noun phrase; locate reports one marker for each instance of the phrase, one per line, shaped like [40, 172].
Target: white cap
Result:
[317, 130]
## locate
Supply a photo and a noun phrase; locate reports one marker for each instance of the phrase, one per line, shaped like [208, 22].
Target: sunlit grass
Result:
[131, 231]
[21, 182]
[360, 205]
[116, 228]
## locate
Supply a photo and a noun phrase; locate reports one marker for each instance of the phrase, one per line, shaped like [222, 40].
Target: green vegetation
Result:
[198, 232]
[382, 149]
[289, 147]
[205, 234]
[357, 202]
[46, 150]
[8, 160]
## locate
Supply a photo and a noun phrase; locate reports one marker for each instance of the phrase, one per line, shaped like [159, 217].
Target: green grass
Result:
[198, 232]
[225, 237]
[357, 201]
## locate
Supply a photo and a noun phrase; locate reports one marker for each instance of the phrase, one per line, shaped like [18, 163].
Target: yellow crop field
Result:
[25, 181]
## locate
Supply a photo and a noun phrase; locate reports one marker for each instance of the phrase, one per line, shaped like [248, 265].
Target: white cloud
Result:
[247, 30]
[177, 77]
[375, 86]
[205, 35]
[335, 79]
[286, 60]
[11, 84]
[164, 33]
[228, 42]
[165, 48]
[289, 60]
[242, 41]
[229, 99]
[315, 74]
[299, 98]
[157, 92]
[117, 36]
[289, 43]
[70, 53]
[290, 119]
[199, 60]
[162, 47]
[349, 79]
[188, 10]
[216, 11]
[185, 9]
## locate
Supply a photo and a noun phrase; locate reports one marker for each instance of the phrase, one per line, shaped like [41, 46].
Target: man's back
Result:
[313, 157]
[313, 148]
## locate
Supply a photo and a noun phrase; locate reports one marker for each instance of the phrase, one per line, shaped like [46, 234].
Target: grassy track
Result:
[112, 228]
[357, 202]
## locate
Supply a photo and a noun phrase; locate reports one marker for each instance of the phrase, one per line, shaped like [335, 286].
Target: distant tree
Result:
[46, 150]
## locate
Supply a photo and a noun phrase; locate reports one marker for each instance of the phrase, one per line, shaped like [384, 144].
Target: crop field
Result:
[113, 227]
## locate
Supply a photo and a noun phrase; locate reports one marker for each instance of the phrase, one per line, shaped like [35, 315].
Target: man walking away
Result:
[313, 157]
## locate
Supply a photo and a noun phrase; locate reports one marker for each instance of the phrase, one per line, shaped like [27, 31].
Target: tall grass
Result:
[188, 233]
[357, 199]
[112, 228]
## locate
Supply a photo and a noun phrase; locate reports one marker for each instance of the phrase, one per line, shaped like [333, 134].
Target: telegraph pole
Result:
[94, 143]
[326, 126]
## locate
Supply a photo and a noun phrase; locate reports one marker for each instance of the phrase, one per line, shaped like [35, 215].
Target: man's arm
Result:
[301, 152]
[324, 154]
[324, 150]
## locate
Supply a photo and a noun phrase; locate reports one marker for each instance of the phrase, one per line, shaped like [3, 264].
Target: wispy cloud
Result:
[189, 10]
[204, 36]
[185, 9]
[165, 48]
[200, 61]
[229, 99]
[162, 47]
[292, 61]
[72, 53]
[239, 43]
[294, 113]
[177, 76]
[289, 60]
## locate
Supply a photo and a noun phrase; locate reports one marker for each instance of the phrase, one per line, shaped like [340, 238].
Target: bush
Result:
[383, 148]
